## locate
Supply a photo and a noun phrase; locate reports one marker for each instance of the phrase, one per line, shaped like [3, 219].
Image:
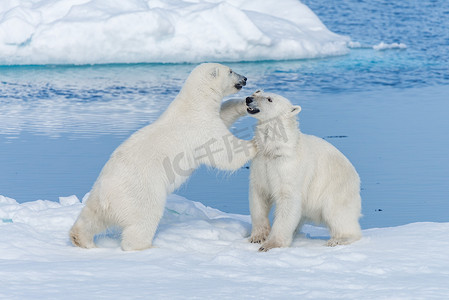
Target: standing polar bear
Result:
[307, 179]
[132, 188]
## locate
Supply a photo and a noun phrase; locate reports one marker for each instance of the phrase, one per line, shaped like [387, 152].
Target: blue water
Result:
[386, 110]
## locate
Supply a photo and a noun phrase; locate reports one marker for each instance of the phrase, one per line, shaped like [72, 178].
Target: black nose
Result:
[249, 100]
[243, 81]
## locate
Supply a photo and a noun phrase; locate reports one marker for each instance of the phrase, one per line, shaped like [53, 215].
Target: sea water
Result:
[386, 110]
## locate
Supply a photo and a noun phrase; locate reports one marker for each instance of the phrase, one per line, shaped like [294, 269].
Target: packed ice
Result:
[134, 31]
[201, 252]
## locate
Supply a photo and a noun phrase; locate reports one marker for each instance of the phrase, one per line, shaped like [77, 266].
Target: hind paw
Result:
[80, 240]
[341, 241]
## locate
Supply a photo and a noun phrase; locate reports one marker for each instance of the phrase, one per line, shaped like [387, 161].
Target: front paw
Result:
[241, 107]
[259, 236]
[272, 243]
[259, 239]
[238, 105]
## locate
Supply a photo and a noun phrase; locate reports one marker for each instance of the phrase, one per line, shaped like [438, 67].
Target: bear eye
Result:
[269, 99]
[230, 71]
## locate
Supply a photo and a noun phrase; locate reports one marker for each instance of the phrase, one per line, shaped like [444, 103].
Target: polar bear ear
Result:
[295, 110]
[215, 72]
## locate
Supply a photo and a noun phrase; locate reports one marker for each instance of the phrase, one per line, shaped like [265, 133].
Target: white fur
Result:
[306, 178]
[131, 190]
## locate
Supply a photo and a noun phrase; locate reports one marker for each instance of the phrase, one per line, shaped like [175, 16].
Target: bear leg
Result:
[344, 229]
[85, 228]
[286, 220]
[138, 232]
[137, 237]
[259, 208]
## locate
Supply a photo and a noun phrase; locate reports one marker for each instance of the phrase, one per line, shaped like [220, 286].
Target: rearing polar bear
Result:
[132, 188]
[307, 178]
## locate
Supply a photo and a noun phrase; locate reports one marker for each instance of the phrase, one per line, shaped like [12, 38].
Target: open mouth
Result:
[252, 110]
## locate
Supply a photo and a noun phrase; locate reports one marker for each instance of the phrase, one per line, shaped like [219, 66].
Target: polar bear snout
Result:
[241, 82]
[251, 106]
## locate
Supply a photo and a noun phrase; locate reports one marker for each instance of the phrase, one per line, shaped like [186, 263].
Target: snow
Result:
[133, 31]
[379, 47]
[383, 46]
[200, 252]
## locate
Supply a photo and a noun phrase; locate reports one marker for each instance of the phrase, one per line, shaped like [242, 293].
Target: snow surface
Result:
[130, 31]
[201, 252]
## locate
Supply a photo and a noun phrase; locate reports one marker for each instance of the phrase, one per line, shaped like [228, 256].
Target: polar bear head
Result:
[216, 78]
[266, 106]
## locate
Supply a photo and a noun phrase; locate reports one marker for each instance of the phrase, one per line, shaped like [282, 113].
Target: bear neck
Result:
[201, 99]
[277, 137]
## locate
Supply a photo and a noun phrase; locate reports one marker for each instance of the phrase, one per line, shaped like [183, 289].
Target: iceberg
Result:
[155, 31]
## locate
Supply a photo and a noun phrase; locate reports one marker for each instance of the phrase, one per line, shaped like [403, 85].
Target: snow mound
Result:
[132, 31]
[200, 252]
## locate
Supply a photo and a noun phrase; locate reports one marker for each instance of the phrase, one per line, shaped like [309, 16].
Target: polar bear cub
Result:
[132, 188]
[306, 178]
